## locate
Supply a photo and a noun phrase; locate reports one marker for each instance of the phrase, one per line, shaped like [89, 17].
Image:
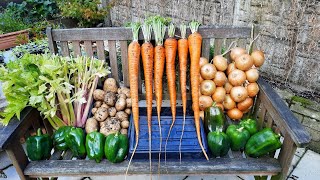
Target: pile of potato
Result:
[231, 85]
[112, 109]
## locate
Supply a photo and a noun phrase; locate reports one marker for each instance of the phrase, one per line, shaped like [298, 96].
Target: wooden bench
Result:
[270, 111]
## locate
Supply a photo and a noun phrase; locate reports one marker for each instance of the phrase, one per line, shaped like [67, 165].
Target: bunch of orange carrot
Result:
[154, 60]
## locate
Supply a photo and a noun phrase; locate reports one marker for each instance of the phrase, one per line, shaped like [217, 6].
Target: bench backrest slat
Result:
[91, 42]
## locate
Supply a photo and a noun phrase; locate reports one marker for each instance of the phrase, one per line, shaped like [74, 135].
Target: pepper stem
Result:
[39, 132]
[214, 104]
[240, 129]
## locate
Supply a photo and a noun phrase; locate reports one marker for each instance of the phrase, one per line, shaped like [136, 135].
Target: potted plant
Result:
[13, 31]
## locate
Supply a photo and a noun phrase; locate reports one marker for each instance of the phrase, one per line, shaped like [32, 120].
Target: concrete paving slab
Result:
[294, 162]
[300, 151]
[11, 173]
[308, 167]
[4, 160]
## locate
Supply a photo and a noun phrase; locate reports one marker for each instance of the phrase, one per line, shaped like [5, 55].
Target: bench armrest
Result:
[15, 128]
[282, 115]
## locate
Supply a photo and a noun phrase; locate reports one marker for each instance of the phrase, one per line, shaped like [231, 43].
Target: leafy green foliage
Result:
[45, 82]
[10, 23]
[36, 47]
[86, 12]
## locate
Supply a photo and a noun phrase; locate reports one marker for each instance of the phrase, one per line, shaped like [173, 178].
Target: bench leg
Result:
[286, 155]
[18, 157]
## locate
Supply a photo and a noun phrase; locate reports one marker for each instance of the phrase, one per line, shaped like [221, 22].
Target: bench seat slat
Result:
[265, 166]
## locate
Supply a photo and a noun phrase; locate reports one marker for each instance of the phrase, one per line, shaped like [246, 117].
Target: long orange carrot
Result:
[147, 60]
[171, 45]
[194, 42]
[134, 60]
[159, 58]
[183, 60]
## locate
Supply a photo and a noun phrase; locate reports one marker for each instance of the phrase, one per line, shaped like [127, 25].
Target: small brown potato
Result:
[105, 105]
[110, 98]
[101, 114]
[112, 111]
[91, 125]
[122, 96]
[94, 110]
[110, 85]
[129, 103]
[121, 104]
[124, 90]
[110, 126]
[122, 116]
[125, 124]
[124, 131]
[97, 104]
[98, 95]
[128, 111]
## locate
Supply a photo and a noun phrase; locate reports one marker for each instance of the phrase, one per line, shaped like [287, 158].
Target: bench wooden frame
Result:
[270, 110]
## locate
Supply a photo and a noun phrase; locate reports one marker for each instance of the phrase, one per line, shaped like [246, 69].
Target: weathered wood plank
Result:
[64, 48]
[100, 50]
[267, 166]
[124, 60]
[122, 33]
[88, 48]
[113, 60]
[16, 127]
[261, 116]
[67, 155]
[205, 48]
[18, 157]
[217, 46]
[76, 48]
[282, 115]
[286, 155]
[52, 43]
[48, 126]
[56, 155]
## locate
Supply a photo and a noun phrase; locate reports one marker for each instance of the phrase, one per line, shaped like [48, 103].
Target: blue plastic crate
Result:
[190, 147]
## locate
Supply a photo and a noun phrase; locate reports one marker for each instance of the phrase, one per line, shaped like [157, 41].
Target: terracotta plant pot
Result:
[13, 39]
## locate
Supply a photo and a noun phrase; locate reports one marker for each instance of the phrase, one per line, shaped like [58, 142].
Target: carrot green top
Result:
[159, 29]
[194, 25]
[171, 30]
[135, 30]
[146, 29]
[183, 30]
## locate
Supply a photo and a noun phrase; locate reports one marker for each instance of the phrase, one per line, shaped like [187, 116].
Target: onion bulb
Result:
[252, 75]
[200, 79]
[244, 62]
[239, 93]
[208, 71]
[228, 103]
[236, 52]
[207, 87]
[235, 114]
[220, 106]
[228, 87]
[219, 95]
[220, 63]
[252, 89]
[230, 68]
[220, 78]
[245, 105]
[237, 77]
[204, 102]
[203, 61]
[258, 58]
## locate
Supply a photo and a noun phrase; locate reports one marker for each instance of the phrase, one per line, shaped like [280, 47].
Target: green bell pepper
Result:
[95, 145]
[250, 125]
[238, 137]
[75, 140]
[219, 143]
[116, 147]
[262, 143]
[214, 118]
[39, 146]
[59, 138]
